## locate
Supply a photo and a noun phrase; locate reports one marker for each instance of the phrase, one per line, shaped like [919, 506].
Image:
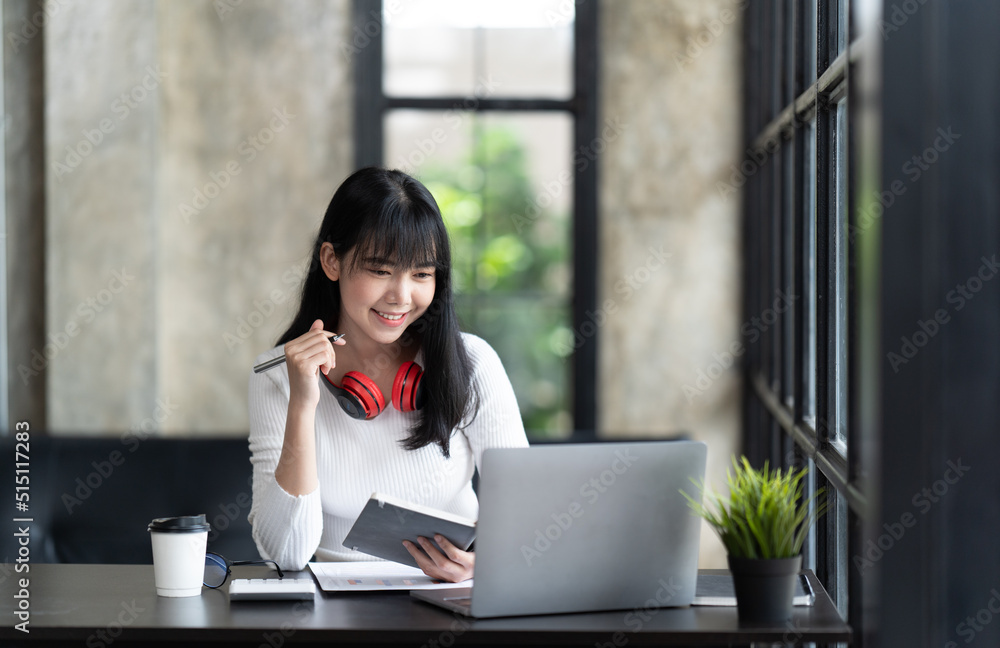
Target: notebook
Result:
[583, 527]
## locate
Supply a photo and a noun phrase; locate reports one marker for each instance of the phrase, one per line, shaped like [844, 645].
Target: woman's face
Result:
[378, 300]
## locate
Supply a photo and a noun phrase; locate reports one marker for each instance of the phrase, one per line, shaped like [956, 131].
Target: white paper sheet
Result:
[375, 576]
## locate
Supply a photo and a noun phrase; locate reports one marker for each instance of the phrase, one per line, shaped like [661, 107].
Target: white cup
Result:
[179, 545]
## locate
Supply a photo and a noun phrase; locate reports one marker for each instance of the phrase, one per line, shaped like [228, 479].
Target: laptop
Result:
[583, 527]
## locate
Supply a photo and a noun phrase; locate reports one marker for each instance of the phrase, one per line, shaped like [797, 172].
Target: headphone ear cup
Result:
[348, 401]
[407, 394]
[359, 396]
[361, 387]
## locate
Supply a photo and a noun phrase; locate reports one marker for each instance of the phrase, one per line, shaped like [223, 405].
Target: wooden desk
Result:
[104, 605]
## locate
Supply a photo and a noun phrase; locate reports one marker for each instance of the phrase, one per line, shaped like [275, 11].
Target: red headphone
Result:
[361, 398]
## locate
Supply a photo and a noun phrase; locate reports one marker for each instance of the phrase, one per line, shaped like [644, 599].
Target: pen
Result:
[270, 364]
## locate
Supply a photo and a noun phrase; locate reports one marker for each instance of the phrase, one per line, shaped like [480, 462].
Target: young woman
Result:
[381, 278]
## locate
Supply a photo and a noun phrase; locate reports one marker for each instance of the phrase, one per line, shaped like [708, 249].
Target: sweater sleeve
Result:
[286, 528]
[497, 423]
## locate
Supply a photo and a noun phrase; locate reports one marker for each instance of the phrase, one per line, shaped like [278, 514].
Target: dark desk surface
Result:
[103, 605]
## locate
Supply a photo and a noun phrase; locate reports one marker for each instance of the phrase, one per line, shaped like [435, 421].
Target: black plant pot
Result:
[765, 588]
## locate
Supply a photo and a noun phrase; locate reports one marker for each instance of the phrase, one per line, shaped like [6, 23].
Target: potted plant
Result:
[762, 526]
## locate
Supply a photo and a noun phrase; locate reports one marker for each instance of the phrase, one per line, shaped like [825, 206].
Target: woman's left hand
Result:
[453, 565]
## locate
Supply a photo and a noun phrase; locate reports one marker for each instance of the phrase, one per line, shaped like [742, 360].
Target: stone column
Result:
[670, 78]
[256, 137]
[193, 147]
[103, 99]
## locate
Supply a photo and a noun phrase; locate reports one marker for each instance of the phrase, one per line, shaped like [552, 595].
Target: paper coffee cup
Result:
[179, 545]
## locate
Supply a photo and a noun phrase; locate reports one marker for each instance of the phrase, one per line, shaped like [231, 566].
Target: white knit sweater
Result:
[357, 458]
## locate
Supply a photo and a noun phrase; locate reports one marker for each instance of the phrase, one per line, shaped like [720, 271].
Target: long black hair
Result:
[383, 213]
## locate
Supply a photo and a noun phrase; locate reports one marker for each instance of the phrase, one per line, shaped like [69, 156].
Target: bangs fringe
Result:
[405, 235]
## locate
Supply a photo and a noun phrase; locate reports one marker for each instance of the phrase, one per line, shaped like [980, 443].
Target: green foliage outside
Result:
[766, 516]
[512, 270]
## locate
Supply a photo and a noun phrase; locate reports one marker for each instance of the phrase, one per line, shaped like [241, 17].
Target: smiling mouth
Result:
[391, 318]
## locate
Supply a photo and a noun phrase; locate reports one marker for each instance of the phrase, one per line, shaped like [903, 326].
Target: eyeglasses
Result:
[217, 568]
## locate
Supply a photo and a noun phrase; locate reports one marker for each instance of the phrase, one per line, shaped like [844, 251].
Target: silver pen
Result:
[274, 362]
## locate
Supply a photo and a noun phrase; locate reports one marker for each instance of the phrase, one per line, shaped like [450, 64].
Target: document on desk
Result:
[374, 576]
[717, 589]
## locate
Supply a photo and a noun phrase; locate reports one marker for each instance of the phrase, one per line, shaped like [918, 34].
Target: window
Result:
[451, 92]
[798, 261]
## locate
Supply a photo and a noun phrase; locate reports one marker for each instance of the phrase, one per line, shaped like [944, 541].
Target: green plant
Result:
[766, 516]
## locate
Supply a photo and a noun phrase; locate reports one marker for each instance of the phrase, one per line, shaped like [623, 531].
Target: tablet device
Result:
[386, 521]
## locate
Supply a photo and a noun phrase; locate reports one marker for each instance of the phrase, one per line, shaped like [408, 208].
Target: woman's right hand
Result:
[306, 356]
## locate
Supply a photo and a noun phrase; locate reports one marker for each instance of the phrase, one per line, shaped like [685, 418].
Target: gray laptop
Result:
[577, 528]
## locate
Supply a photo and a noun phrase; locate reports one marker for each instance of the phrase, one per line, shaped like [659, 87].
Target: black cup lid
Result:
[180, 524]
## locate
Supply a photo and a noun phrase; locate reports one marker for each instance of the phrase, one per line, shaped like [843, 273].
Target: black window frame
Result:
[783, 95]
[371, 105]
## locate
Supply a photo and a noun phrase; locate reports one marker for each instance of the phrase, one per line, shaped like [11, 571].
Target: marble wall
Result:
[669, 226]
[192, 148]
